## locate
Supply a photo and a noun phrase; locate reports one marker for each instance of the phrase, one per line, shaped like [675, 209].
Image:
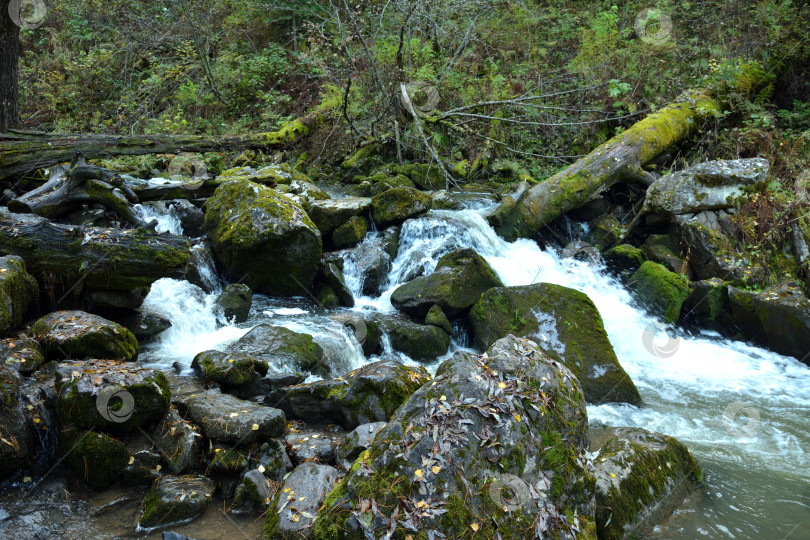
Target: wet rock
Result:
[179, 442]
[372, 259]
[436, 317]
[330, 214]
[745, 314]
[304, 193]
[253, 494]
[357, 442]
[283, 350]
[77, 335]
[229, 369]
[605, 231]
[225, 418]
[453, 449]
[235, 302]
[350, 233]
[442, 200]
[624, 260]
[455, 285]
[264, 237]
[333, 277]
[273, 461]
[641, 477]
[110, 395]
[18, 292]
[227, 462]
[191, 218]
[708, 305]
[302, 494]
[142, 323]
[784, 313]
[142, 470]
[566, 325]
[366, 331]
[396, 205]
[175, 499]
[419, 341]
[707, 186]
[96, 458]
[20, 354]
[662, 292]
[310, 447]
[14, 448]
[201, 270]
[369, 394]
[327, 297]
[660, 248]
[102, 299]
[271, 175]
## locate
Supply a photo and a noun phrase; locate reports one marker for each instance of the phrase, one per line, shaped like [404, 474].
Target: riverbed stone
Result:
[372, 259]
[273, 461]
[419, 341]
[110, 395]
[436, 317]
[624, 260]
[77, 335]
[310, 447]
[232, 369]
[566, 325]
[14, 448]
[227, 462]
[175, 499]
[454, 447]
[357, 442]
[18, 292]
[228, 419]
[96, 458]
[179, 442]
[457, 283]
[708, 305]
[263, 238]
[144, 324]
[784, 312]
[604, 232]
[662, 292]
[394, 206]
[21, 354]
[333, 277]
[235, 302]
[641, 477]
[330, 214]
[293, 513]
[281, 349]
[350, 233]
[253, 494]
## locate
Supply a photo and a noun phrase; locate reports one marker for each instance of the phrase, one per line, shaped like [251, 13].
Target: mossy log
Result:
[621, 158]
[23, 152]
[70, 258]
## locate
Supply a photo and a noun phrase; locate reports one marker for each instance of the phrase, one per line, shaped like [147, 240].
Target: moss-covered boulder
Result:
[292, 516]
[566, 326]
[254, 494]
[460, 278]
[74, 335]
[232, 369]
[228, 419]
[498, 441]
[784, 312]
[282, 350]
[623, 260]
[419, 341]
[427, 176]
[350, 233]
[332, 276]
[110, 395]
[20, 354]
[179, 442]
[369, 394]
[641, 477]
[175, 499]
[96, 458]
[604, 232]
[18, 292]
[263, 238]
[394, 206]
[436, 317]
[330, 214]
[745, 315]
[235, 302]
[227, 462]
[708, 305]
[273, 461]
[13, 428]
[662, 292]
[357, 442]
[661, 249]
[271, 175]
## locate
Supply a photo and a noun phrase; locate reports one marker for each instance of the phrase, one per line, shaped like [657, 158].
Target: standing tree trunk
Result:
[9, 54]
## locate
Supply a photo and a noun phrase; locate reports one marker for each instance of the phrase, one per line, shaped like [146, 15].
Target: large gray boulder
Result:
[712, 185]
[330, 214]
[179, 442]
[394, 206]
[228, 419]
[74, 335]
[263, 238]
[175, 499]
[496, 441]
[292, 516]
[784, 312]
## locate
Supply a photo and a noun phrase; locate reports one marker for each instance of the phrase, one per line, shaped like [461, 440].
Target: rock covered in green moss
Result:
[367, 331]
[327, 297]
[175, 499]
[457, 283]
[350, 233]
[604, 232]
[784, 312]
[357, 442]
[20, 354]
[660, 291]
[75, 335]
[227, 461]
[179, 442]
[369, 394]
[228, 419]
[332, 275]
[623, 259]
[419, 341]
[18, 292]
[235, 302]
[110, 395]
[96, 458]
[641, 477]
[661, 249]
[303, 193]
[271, 175]
[436, 317]
[281, 349]
[273, 461]
[330, 214]
[566, 325]
[263, 238]
[253, 494]
[396, 205]
[426, 176]
[459, 447]
[443, 200]
[231, 369]
[708, 305]
[293, 513]
[13, 428]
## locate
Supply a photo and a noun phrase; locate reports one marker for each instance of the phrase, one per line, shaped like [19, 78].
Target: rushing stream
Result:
[743, 411]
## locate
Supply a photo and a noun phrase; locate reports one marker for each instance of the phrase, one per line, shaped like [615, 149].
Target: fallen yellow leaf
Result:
[475, 527]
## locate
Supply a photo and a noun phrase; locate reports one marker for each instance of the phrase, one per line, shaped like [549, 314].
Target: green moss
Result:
[96, 458]
[662, 291]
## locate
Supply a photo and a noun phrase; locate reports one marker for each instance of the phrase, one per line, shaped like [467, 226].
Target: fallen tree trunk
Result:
[22, 152]
[72, 259]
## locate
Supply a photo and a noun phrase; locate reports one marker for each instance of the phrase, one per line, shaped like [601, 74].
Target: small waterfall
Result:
[203, 271]
[167, 219]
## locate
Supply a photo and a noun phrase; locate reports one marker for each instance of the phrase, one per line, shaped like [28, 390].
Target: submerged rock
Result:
[76, 335]
[394, 206]
[659, 290]
[175, 499]
[296, 506]
[469, 449]
[263, 238]
[641, 477]
[18, 292]
[566, 326]
[228, 419]
[372, 258]
[235, 302]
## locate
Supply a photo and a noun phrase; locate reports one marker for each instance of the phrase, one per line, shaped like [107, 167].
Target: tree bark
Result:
[9, 55]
